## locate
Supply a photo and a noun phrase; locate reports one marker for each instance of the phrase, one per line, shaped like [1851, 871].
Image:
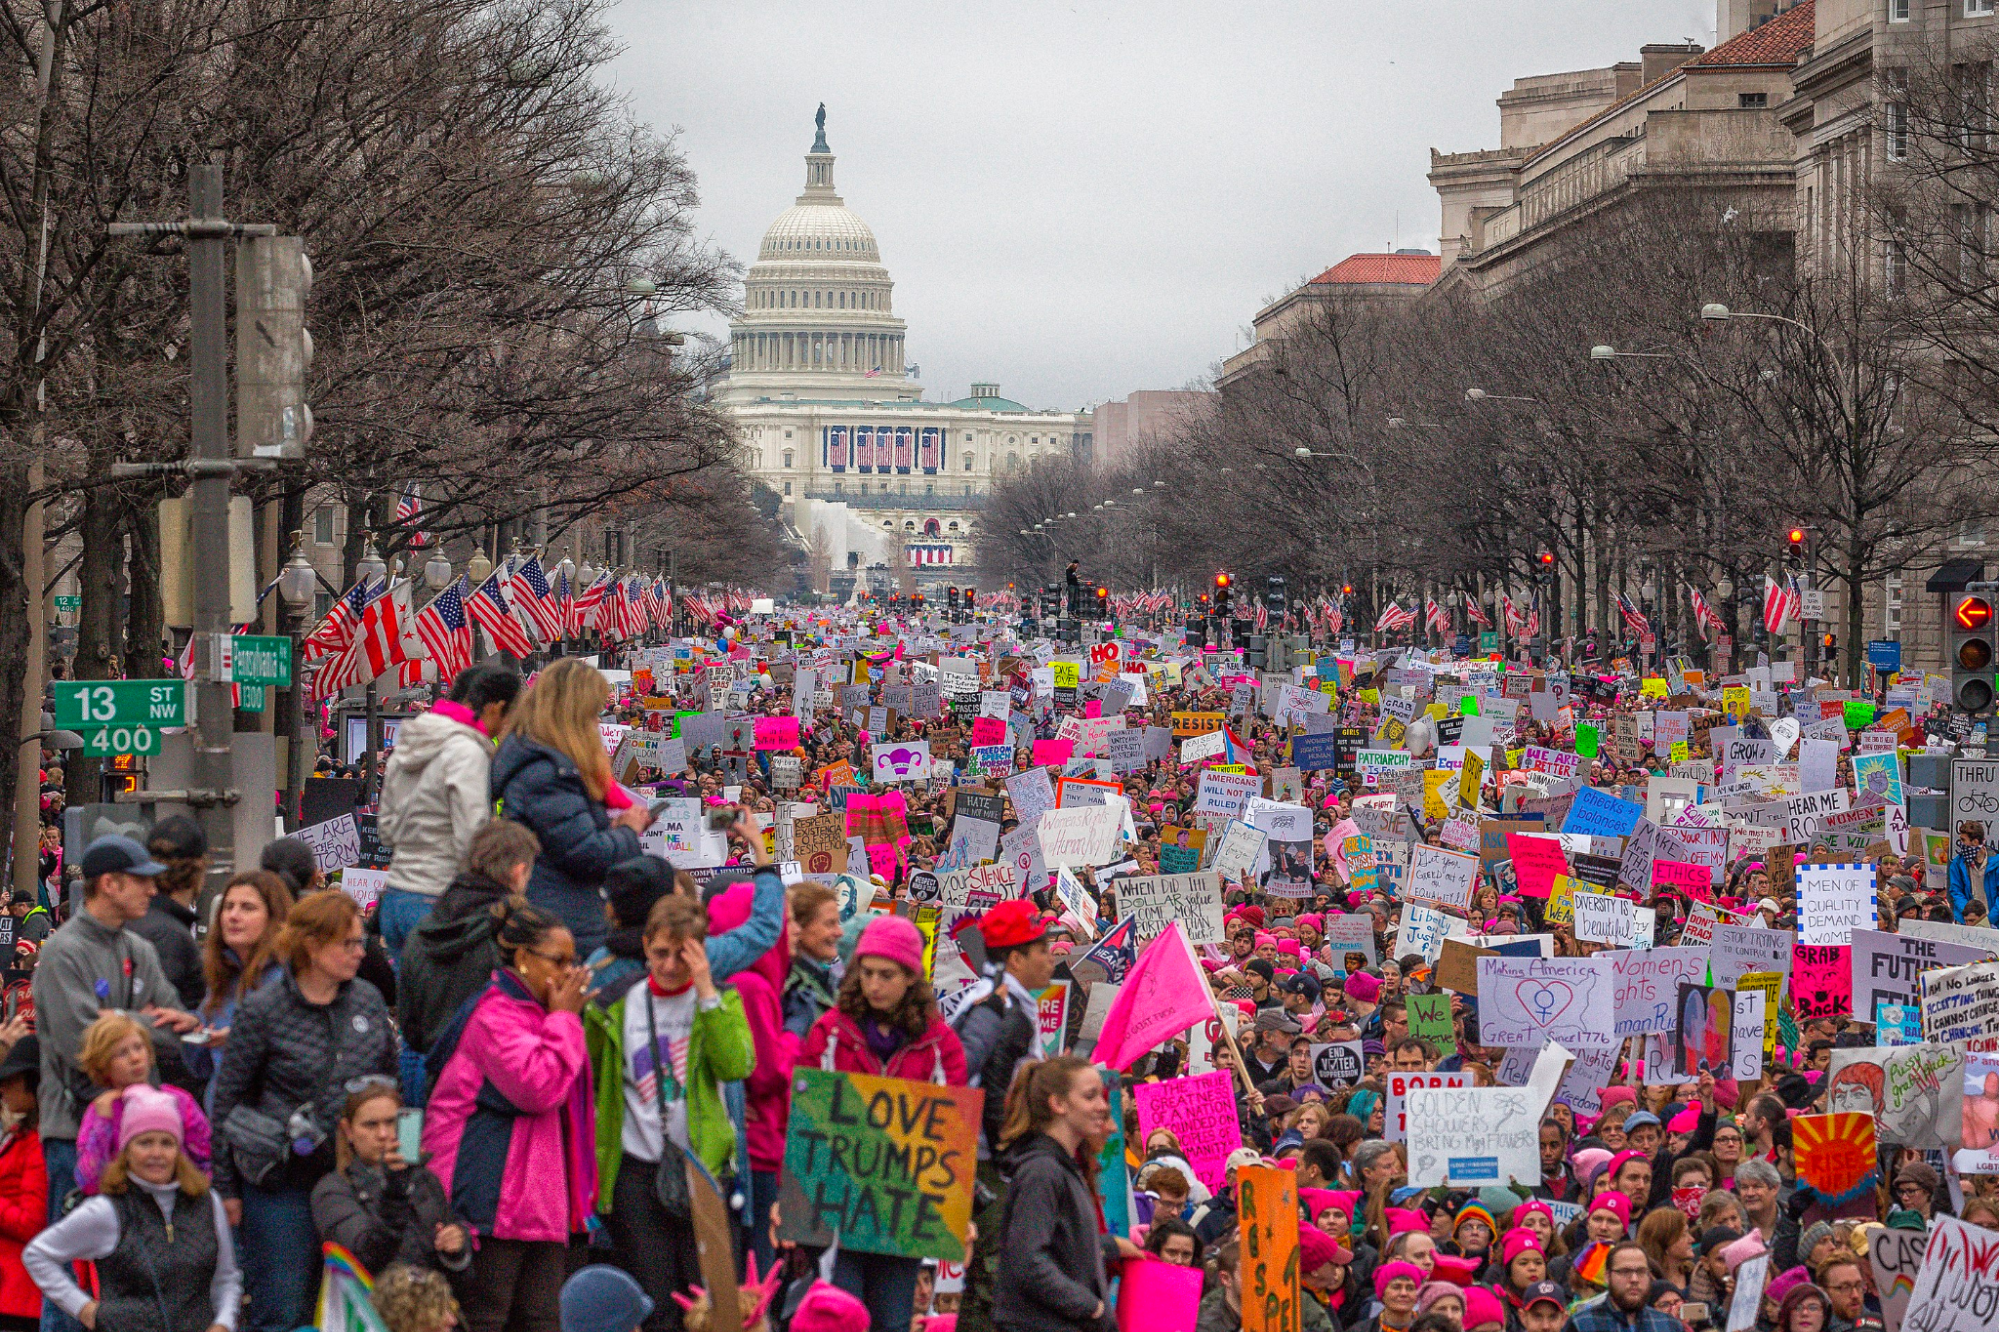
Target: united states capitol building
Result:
[833, 419]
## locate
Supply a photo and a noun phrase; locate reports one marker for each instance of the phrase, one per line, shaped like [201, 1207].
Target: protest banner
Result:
[1473, 1136]
[1225, 793]
[1888, 968]
[1896, 1255]
[902, 761]
[1961, 1003]
[1646, 987]
[1834, 901]
[1336, 1064]
[1600, 814]
[1957, 1284]
[1201, 1112]
[1267, 1218]
[884, 1164]
[1032, 794]
[1441, 877]
[1914, 1094]
[1236, 852]
[1353, 932]
[1750, 1278]
[335, 843]
[1395, 1117]
[1156, 901]
[1532, 1001]
[1738, 949]
[1082, 835]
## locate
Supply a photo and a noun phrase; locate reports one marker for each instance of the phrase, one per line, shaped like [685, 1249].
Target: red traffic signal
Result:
[1547, 557]
[1346, 590]
[1972, 612]
[1796, 536]
[1103, 592]
[1221, 580]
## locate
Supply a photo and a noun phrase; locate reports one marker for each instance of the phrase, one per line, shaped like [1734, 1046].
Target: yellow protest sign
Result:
[1433, 799]
[1562, 900]
[1654, 687]
[1470, 778]
[1068, 675]
[1677, 753]
[1735, 700]
[1770, 983]
[1196, 724]
[1371, 696]
[1437, 711]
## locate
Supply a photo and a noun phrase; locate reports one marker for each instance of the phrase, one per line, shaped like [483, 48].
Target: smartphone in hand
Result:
[409, 1134]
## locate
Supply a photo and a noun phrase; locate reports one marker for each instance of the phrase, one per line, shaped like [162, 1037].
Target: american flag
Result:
[1533, 622]
[532, 597]
[446, 633]
[1782, 603]
[1393, 618]
[1262, 616]
[1435, 617]
[1634, 619]
[409, 508]
[565, 600]
[590, 600]
[1476, 613]
[1515, 622]
[336, 631]
[488, 607]
[1705, 615]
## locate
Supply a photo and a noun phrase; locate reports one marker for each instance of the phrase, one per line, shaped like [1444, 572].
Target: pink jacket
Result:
[511, 1128]
[97, 1137]
[766, 1094]
[835, 1042]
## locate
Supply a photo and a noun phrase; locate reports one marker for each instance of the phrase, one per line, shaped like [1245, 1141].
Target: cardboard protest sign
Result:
[1439, 876]
[1704, 1040]
[335, 843]
[1914, 1094]
[1155, 901]
[1738, 949]
[1957, 1285]
[1821, 980]
[1081, 836]
[1430, 1020]
[1267, 1216]
[1473, 1136]
[1888, 968]
[884, 1164]
[1647, 985]
[1201, 1112]
[1532, 1001]
[1961, 1003]
[1395, 1117]
[902, 761]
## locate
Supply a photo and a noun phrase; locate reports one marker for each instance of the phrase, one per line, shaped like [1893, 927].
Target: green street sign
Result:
[261, 659]
[1488, 640]
[121, 739]
[252, 698]
[68, 603]
[84, 704]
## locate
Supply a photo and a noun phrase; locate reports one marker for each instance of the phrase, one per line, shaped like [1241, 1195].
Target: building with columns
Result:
[833, 419]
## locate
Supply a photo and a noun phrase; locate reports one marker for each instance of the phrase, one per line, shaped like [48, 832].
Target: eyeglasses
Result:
[1631, 1272]
[1855, 1285]
[559, 959]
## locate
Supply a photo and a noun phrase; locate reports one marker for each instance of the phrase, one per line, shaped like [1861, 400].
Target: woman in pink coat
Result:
[510, 1129]
[885, 1021]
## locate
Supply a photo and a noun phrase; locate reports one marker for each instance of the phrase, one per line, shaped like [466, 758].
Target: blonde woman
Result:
[552, 775]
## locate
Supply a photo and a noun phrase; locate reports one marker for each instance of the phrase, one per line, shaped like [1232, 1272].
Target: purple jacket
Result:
[97, 1137]
[511, 1128]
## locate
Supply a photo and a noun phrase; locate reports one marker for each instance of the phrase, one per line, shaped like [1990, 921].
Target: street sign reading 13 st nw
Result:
[120, 716]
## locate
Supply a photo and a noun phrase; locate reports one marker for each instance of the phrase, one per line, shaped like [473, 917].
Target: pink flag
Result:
[1163, 995]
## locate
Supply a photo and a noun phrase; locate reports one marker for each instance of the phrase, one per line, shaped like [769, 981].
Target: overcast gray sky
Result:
[1082, 200]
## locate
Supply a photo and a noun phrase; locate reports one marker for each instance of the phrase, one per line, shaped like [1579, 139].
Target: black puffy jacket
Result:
[1053, 1264]
[286, 1052]
[542, 789]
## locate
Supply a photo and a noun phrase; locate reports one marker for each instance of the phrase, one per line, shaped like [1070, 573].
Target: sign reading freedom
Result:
[884, 1164]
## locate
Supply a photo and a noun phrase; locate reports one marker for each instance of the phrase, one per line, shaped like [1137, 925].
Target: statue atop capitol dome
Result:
[819, 143]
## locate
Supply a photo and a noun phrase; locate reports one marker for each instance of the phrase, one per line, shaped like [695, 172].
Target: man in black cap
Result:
[1543, 1306]
[181, 848]
[1270, 1054]
[93, 964]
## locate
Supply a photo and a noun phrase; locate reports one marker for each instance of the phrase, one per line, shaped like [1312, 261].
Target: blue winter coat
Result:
[1960, 882]
[542, 789]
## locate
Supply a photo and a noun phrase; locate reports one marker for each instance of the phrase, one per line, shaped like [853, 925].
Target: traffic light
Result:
[1223, 584]
[951, 598]
[1051, 601]
[1794, 538]
[1275, 598]
[273, 347]
[1346, 590]
[1544, 567]
[1103, 603]
[1971, 658]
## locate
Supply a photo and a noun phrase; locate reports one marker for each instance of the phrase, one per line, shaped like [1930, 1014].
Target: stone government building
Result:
[869, 475]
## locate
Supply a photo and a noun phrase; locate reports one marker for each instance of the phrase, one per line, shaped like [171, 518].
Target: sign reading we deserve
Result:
[886, 1165]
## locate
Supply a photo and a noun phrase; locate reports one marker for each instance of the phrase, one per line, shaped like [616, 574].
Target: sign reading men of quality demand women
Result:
[883, 1165]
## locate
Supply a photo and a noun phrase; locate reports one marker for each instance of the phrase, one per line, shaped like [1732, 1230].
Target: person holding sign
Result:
[1053, 1264]
[885, 1021]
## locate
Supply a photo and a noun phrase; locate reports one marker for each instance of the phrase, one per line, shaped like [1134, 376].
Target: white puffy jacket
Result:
[435, 795]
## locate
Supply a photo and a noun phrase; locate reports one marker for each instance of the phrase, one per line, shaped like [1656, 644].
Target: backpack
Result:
[445, 1044]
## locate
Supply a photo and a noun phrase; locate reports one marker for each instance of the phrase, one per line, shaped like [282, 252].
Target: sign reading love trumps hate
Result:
[886, 1165]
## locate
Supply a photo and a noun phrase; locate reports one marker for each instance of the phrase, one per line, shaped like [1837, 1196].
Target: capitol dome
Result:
[818, 317]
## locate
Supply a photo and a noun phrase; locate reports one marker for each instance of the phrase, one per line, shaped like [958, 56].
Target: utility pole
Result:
[211, 468]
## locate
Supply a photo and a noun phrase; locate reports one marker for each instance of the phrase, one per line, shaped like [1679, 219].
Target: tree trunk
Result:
[1854, 576]
[145, 618]
[99, 626]
[18, 602]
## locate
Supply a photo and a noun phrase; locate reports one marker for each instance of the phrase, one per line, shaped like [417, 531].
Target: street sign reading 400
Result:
[120, 716]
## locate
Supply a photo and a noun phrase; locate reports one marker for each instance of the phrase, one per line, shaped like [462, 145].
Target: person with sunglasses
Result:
[294, 1047]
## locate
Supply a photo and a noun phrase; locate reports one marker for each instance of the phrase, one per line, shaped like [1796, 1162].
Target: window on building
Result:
[787, 460]
[839, 488]
[1977, 8]
[322, 526]
[787, 435]
[968, 459]
[787, 488]
[1897, 264]
[1752, 100]
[968, 490]
[1898, 11]
[322, 602]
[929, 488]
[1013, 462]
[1891, 605]
[1971, 532]
[1895, 125]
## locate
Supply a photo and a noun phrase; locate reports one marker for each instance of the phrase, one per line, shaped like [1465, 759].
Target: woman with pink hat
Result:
[884, 1021]
[156, 1232]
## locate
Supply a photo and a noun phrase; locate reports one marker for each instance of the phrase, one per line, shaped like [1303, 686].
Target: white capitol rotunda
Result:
[832, 417]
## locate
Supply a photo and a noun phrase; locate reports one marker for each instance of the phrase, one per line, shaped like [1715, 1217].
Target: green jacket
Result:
[719, 1050]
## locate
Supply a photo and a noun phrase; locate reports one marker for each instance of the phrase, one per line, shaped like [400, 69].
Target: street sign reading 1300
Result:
[120, 716]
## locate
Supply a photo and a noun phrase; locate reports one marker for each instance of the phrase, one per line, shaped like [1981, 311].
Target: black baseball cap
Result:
[178, 837]
[115, 853]
[1301, 983]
